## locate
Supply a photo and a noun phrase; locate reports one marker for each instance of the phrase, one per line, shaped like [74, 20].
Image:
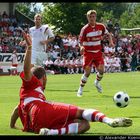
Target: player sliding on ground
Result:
[49, 118]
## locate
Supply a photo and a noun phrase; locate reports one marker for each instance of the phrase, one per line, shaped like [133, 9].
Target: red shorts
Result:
[51, 115]
[90, 58]
[14, 65]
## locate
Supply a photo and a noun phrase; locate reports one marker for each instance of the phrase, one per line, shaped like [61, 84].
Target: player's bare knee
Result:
[87, 125]
[83, 126]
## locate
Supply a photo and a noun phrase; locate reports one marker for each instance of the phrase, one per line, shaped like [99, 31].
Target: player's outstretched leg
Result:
[70, 129]
[121, 122]
[44, 131]
[94, 115]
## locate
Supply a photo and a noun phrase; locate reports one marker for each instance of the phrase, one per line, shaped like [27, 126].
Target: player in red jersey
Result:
[90, 45]
[41, 116]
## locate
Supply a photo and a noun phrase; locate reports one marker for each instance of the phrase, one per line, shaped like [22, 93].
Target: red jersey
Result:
[45, 114]
[91, 37]
[32, 88]
[30, 91]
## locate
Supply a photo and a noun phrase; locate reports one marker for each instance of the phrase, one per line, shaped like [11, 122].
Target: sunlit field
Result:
[63, 88]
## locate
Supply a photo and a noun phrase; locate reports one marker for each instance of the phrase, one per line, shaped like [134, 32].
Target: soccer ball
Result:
[121, 99]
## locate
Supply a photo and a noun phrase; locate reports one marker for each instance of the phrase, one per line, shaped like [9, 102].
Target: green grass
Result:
[62, 88]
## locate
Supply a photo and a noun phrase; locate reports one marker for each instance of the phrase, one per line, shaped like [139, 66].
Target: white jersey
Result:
[57, 62]
[40, 34]
[117, 62]
[14, 59]
[38, 50]
[48, 62]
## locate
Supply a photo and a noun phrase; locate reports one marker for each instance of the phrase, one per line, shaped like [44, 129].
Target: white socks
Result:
[71, 129]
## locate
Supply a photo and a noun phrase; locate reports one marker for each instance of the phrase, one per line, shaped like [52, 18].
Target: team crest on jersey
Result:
[93, 39]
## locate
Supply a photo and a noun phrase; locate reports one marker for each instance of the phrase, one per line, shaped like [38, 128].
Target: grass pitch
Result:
[63, 88]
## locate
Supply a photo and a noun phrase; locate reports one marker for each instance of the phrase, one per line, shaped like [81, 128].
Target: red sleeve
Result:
[105, 31]
[82, 35]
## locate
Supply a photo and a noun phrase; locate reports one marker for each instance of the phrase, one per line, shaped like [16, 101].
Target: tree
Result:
[116, 8]
[66, 17]
[130, 18]
[70, 17]
[28, 9]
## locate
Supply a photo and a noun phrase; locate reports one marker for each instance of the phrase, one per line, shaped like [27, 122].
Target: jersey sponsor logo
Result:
[92, 43]
[95, 33]
[88, 39]
[95, 38]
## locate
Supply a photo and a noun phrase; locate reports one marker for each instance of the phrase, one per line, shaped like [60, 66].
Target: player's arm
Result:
[27, 60]
[82, 37]
[81, 48]
[49, 32]
[108, 34]
[110, 40]
[51, 37]
[47, 41]
[14, 118]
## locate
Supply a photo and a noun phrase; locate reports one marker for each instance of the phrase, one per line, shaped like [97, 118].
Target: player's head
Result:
[38, 19]
[91, 16]
[40, 73]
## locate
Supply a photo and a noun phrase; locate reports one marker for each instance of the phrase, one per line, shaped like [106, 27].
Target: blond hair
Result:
[37, 15]
[91, 12]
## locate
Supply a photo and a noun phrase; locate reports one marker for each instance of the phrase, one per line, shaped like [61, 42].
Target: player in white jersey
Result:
[41, 35]
[13, 68]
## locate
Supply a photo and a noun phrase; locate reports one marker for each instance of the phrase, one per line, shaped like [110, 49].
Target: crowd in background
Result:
[64, 53]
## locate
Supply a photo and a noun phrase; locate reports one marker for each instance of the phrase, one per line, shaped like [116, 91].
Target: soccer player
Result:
[90, 45]
[13, 68]
[41, 36]
[41, 116]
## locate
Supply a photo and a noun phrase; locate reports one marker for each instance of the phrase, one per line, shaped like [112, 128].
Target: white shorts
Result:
[38, 58]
